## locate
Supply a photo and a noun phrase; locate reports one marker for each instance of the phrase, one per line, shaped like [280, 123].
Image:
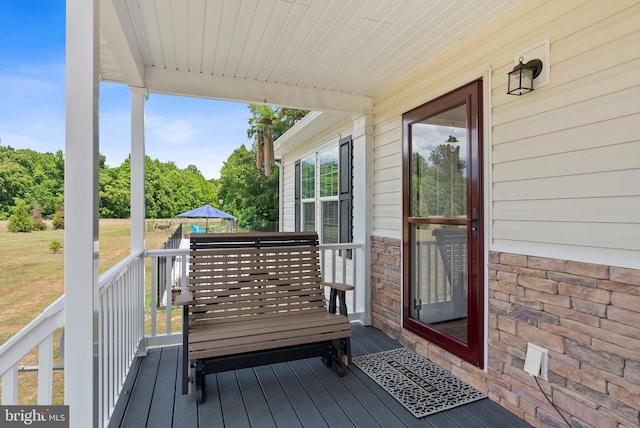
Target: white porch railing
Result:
[37, 334]
[132, 317]
[339, 264]
[121, 328]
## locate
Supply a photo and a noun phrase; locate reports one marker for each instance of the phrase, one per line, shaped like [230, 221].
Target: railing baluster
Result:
[45, 371]
[110, 348]
[183, 276]
[102, 363]
[168, 286]
[154, 282]
[10, 386]
[333, 265]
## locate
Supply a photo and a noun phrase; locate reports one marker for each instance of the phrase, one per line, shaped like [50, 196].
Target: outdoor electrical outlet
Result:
[536, 360]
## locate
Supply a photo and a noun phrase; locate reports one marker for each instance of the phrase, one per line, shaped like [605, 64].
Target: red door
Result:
[442, 211]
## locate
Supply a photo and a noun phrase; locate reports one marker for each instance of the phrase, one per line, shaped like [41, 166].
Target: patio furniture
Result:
[254, 299]
[197, 229]
[452, 244]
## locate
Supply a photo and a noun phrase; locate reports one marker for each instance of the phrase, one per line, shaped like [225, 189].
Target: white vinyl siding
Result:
[300, 151]
[564, 160]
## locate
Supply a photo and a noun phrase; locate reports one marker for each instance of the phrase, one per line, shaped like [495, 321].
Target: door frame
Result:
[473, 351]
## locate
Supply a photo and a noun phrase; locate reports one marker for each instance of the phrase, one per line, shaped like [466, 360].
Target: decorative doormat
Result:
[420, 386]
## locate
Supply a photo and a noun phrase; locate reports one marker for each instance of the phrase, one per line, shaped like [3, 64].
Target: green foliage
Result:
[169, 190]
[244, 192]
[19, 221]
[55, 246]
[36, 218]
[241, 185]
[58, 218]
[438, 183]
[37, 178]
[283, 118]
[114, 190]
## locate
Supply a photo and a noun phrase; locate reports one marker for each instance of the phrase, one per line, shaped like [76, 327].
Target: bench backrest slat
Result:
[259, 275]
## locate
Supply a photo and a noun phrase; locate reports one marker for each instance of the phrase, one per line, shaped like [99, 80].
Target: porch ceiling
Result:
[314, 54]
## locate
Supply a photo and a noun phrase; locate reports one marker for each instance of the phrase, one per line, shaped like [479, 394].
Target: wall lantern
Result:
[522, 75]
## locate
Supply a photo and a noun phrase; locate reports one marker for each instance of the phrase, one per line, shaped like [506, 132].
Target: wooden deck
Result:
[301, 393]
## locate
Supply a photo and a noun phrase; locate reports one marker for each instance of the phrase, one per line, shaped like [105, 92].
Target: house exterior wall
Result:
[289, 156]
[586, 315]
[562, 232]
[562, 161]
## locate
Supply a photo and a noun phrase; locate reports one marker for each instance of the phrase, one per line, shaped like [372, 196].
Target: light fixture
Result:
[452, 137]
[522, 75]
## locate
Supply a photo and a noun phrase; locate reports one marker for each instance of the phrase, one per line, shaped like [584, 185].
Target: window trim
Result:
[342, 197]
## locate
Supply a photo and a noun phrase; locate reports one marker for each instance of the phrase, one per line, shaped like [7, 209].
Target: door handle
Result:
[474, 223]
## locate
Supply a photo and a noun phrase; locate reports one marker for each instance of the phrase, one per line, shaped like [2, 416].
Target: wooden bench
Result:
[257, 299]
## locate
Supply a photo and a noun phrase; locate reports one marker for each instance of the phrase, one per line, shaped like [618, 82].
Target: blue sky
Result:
[32, 100]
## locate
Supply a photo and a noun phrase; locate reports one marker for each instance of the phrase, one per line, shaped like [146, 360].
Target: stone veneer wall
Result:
[586, 315]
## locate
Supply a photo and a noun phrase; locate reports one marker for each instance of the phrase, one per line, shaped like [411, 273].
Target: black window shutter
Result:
[297, 203]
[346, 194]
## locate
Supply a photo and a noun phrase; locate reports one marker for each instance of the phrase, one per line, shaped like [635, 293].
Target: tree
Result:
[283, 118]
[14, 181]
[37, 178]
[241, 185]
[19, 220]
[267, 124]
[37, 222]
[58, 218]
[114, 191]
[445, 183]
[244, 192]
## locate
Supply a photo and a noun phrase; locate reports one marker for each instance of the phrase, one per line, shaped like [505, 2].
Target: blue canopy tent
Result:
[207, 212]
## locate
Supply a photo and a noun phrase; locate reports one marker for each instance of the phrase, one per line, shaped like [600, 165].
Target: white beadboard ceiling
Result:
[315, 54]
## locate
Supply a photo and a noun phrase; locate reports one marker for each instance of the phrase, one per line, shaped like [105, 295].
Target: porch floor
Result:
[301, 393]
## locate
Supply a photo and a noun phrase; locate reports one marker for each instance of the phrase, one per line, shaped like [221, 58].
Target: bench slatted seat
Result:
[257, 299]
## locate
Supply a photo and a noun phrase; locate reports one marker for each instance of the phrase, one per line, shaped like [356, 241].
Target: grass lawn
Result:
[34, 278]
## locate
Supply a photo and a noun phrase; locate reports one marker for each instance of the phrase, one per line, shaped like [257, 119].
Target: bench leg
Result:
[334, 358]
[334, 306]
[185, 373]
[185, 352]
[199, 380]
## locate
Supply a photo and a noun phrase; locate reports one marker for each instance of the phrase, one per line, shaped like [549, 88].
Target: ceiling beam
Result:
[248, 91]
[117, 29]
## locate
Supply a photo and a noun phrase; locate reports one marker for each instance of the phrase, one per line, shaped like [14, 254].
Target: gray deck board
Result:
[255, 402]
[302, 404]
[161, 412]
[137, 411]
[301, 393]
[280, 408]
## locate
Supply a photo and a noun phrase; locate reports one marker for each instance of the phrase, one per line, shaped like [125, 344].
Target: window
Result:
[323, 193]
[308, 186]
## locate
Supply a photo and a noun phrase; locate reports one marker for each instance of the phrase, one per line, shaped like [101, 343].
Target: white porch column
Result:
[81, 214]
[363, 204]
[138, 97]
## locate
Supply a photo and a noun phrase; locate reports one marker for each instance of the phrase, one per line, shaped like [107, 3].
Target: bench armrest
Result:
[339, 287]
[184, 299]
